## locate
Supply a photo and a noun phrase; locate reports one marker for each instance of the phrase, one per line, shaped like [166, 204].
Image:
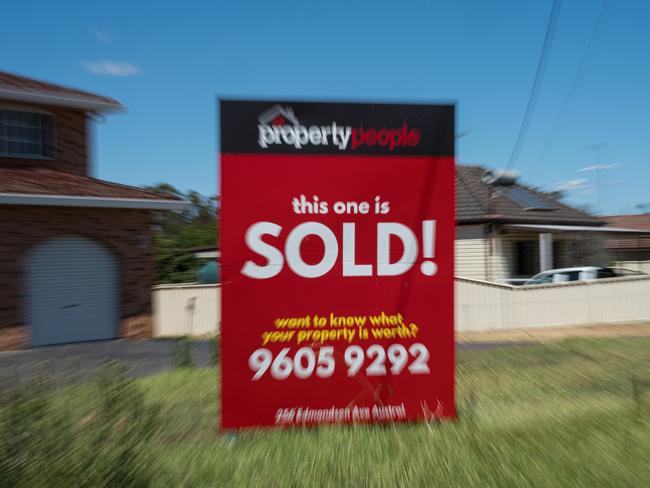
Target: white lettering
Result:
[409, 241]
[274, 258]
[350, 267]
[296, 262]
[292, 249]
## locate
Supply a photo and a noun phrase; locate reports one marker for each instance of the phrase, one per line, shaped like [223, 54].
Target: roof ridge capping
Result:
[23, 89]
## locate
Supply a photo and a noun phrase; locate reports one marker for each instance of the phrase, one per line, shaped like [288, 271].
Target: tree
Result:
[644, 207]
[179, 231]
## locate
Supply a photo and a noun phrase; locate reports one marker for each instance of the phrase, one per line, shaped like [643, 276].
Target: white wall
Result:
[643, 266]
[480, 305]
[502, 258]
[484, 306]
[481, 258]
[173, 315]
[470, 250]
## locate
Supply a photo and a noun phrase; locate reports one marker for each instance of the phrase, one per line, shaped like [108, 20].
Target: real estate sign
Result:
[337, 232]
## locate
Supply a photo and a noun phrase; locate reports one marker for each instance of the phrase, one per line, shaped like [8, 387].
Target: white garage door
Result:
[72, 291]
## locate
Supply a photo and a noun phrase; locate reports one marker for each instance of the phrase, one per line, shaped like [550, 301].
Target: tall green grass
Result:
[50, 439]
[563, 414]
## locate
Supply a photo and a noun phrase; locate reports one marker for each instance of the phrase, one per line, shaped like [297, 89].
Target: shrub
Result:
[215, 345]
[44, 443]
[183, 352]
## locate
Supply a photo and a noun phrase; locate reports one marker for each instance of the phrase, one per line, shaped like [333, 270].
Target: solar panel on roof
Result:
[525, 198]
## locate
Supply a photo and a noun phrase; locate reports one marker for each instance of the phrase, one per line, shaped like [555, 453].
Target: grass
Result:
[559, 414]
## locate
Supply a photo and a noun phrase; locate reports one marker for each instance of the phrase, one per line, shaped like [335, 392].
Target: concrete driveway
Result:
[74, 363]
[77, 363]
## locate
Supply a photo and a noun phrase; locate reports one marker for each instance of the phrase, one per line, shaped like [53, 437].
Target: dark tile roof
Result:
[51, 182]
[477, 201]
[471, 194]
[21, 84]
[639, 221]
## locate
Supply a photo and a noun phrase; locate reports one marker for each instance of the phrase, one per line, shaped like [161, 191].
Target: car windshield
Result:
[606, 273]
[540, 279]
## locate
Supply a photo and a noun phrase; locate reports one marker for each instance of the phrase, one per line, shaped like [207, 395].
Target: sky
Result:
[169, 61]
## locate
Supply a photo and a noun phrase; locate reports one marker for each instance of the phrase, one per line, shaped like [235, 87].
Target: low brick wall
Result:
[12, 338]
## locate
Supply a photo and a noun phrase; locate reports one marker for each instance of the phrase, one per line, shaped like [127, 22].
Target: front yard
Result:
[569, 413]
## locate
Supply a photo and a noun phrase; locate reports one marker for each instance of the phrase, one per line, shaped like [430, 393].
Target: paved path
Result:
[72, 363]
[75, 363]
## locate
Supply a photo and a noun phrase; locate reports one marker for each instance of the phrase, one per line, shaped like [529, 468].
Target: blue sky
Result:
[168, 61]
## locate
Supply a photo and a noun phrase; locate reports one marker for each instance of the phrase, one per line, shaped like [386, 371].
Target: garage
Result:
[72, 291]
[76, 256]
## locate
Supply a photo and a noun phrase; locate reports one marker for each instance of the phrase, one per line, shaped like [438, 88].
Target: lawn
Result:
[557, 414]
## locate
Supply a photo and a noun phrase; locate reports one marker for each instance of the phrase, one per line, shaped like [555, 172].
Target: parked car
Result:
[578, 274]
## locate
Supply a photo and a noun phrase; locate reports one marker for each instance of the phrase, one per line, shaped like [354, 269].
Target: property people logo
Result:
[279, 125]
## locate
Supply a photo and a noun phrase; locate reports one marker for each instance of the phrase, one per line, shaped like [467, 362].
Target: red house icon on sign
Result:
[278, 115]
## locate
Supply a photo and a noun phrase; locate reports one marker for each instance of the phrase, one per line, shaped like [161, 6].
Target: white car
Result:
[578, 274]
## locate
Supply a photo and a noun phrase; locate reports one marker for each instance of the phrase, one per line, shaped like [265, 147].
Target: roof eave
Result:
[72, 101]
[91, 202]
[504, 220]
[578, 228]
[473, 220]
[537, 219]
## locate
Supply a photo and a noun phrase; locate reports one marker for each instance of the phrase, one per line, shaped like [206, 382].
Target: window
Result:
[26, 134]
[573, 276]
[544, 279]
[605, 273]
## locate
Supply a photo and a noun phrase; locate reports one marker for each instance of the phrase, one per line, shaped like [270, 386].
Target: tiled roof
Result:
[49, 182]
[477, 201]
[12, 85]
[641, 222]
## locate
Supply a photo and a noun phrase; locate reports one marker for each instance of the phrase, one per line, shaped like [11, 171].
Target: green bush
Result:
[183, 352]
[44, 443]
[215, 345]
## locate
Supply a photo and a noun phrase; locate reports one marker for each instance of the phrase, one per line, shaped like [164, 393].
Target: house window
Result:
[26, 134]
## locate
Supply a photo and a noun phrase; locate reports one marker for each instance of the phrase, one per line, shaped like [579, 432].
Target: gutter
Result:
[500, 219]
[91, 202]
[74, 101]
[578, 228]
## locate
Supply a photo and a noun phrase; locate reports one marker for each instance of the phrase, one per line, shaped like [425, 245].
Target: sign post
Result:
[337, 247]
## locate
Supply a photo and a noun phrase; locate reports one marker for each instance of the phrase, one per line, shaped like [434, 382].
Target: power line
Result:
[574, 83]
[537, 83]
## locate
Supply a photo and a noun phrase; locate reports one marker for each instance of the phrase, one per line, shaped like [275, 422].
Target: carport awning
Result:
[609, 231]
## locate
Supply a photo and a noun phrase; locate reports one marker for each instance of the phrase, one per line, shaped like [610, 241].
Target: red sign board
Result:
[337, 232]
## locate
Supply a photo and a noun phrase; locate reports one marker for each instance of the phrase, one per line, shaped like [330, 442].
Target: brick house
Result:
[76, 258]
